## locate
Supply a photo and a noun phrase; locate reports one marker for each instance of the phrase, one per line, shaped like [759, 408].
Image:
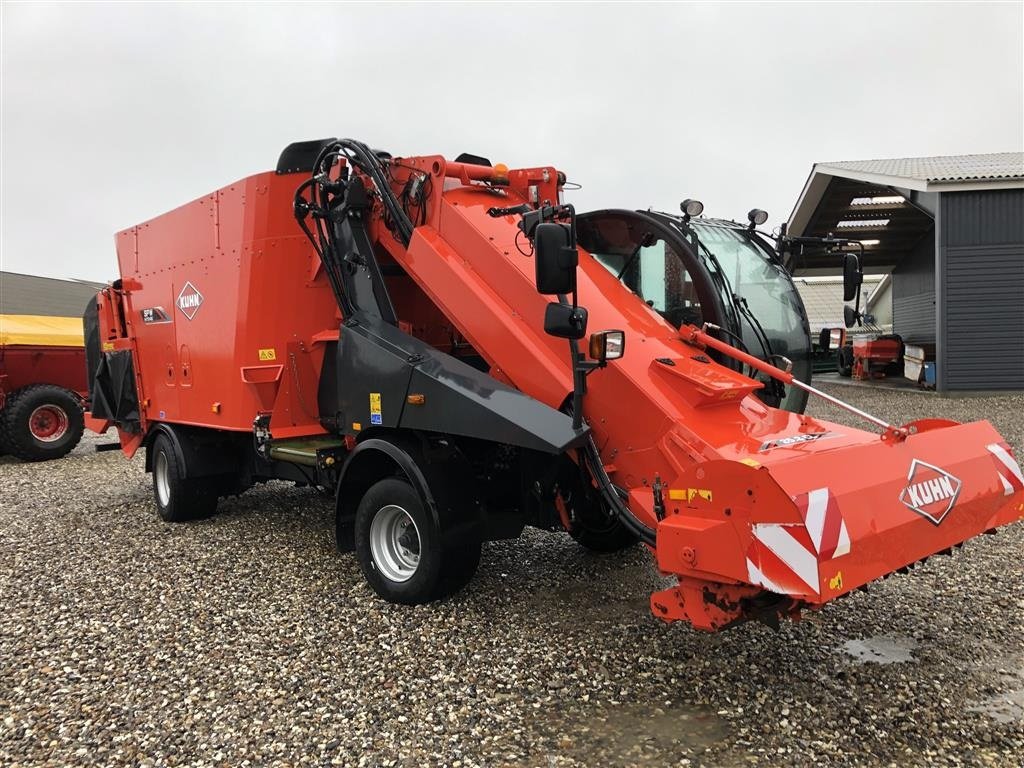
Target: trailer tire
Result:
[41, 422]
[399, 544]
[844, 361]
[179, 498]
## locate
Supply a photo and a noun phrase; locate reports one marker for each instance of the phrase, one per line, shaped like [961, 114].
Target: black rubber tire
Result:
[16, 433]
[440, 571]
[844, 361]
[593, 529]
[186, 498]
[461, 563]
[425, 584]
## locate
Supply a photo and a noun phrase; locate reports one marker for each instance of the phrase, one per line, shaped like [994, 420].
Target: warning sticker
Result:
[268, 354]
[375, 416]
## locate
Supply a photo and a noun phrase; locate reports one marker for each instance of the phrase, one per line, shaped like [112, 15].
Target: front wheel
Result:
[41, 422]
[402, 551]
[594, 529]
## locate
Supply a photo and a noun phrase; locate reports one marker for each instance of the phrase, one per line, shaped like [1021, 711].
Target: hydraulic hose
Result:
[611, 496]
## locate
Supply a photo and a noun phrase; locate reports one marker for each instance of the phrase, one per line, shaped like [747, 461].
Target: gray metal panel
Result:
[913, 293]
[982, 290]
[913, 318]
[47, 296]
[915, 274]
[995, 217]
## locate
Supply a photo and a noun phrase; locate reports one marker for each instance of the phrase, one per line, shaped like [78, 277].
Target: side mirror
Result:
[564, 321]
[556, 259]
[851, 316]
[852, 276]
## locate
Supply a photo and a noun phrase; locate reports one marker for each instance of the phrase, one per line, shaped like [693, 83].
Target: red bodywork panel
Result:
[762, 506]
[238, 311]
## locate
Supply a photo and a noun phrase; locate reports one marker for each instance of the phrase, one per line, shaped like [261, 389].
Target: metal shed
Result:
[950, 231]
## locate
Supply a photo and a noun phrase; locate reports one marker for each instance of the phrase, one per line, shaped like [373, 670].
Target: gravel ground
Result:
[246, 640]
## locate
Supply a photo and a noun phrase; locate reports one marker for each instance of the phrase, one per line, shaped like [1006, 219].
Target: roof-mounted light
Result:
[757, 217]
[691, 208]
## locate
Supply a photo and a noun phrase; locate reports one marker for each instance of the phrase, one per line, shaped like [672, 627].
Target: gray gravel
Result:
[246, 640]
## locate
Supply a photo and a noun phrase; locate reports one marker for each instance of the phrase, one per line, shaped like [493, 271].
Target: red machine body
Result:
[227, 313]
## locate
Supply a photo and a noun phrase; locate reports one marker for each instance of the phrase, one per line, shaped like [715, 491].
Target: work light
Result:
[691, 207]
[607, 345]
[757, 217]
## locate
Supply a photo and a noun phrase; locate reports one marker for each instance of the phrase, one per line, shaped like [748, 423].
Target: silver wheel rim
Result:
[395, 543]
[162, 473]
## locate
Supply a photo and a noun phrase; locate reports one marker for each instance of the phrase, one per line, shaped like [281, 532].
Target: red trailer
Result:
[42, 385]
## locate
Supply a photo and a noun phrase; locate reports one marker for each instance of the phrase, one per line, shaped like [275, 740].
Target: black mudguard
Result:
[378, 366]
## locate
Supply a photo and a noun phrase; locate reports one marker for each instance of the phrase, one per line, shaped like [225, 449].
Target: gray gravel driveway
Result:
[245, 640]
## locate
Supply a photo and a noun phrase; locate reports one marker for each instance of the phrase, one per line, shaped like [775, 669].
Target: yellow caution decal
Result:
[268, 354]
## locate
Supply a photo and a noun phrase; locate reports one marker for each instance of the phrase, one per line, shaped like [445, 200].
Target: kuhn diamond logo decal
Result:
[930, 491]
[189, 300]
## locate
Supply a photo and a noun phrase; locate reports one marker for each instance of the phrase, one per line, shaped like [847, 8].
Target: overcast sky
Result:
[115, 113]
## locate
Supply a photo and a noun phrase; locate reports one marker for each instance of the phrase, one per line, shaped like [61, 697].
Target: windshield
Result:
[654, 271]
[770, 295]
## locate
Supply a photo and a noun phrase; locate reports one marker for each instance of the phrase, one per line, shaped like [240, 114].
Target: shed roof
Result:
[940, 168]
[46, 296]
[889, 204]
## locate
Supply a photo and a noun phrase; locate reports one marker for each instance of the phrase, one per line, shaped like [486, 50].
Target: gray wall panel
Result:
[913, 293]
[982, 286]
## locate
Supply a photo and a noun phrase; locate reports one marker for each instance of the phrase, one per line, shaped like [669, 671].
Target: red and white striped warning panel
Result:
[824, 522]
[784, 558]
[1007, 468]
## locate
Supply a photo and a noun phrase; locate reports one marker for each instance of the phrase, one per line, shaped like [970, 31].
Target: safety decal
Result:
[794, 440]
[689, 494]
[836, 582]
[781, 559]
[375, 414]
[155, 315]
[268, 354]
[930, 492]
[824, 522]
[107, 346]
[189, 300]
[1008, 469]
[784, 558]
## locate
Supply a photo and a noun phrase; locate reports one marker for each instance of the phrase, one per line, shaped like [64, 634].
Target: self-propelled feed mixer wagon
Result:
[457, 354]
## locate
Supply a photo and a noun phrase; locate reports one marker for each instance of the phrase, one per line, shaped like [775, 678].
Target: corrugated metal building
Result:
[47, 296]
[950, 230]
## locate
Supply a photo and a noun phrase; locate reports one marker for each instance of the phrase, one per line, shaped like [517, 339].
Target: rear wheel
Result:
[41, 422]
[179, 498]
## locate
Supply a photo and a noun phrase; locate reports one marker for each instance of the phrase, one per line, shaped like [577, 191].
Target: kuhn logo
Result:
[930, 491]
[189, 300]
